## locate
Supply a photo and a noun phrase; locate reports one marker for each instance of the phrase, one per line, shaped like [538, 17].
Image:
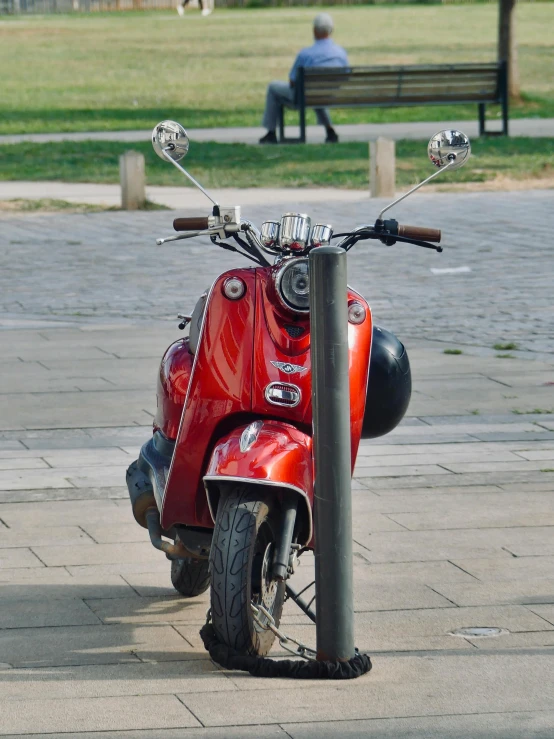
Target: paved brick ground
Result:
[453, 510]
[107, 265]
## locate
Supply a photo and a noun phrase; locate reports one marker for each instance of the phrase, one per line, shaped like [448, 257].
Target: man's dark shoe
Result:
[332, 136]
[269, 138]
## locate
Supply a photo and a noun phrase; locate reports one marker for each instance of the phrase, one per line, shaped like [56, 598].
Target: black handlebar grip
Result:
[191, 224]
[419, 233]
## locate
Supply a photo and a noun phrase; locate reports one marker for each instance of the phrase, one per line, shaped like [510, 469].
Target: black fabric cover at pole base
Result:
[264, 667]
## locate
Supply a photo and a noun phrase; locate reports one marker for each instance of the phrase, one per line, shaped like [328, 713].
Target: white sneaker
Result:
[180, 10]
[206, 11]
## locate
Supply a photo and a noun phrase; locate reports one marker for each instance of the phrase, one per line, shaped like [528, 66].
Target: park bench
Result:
[442, 84]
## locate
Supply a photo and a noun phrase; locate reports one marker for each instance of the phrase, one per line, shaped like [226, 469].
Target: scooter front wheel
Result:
[240, 569]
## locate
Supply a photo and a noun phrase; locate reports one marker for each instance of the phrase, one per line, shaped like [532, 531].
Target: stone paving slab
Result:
[95, 645]
[10, 558]
[243, 732]
[24, 614]
[544, 611]
[508, 725]
[529, 593]
[121, 712]
[55, 583]
[470, 519]
[460, 684]
[492, 500]
[136, 609]
[19, 463]
[439, 622]
[429, 573]
[70, 513]
[438, 545]
[498, 569]
[99, 681]
[62, 535]
[66, 494]
[94, 554]
[155, 565]
[399, 485]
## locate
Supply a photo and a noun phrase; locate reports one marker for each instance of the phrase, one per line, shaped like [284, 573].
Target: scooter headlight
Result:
[293, 285]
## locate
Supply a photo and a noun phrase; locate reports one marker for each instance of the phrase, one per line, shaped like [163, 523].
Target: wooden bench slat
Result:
[404, 82]
[396, 69]
[394, 102]
[394, 89]
[427, 94]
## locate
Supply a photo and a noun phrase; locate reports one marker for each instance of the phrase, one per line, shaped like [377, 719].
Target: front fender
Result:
[271, 454]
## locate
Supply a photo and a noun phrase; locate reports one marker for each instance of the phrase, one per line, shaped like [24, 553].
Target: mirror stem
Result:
[191, 178]
[402, 197]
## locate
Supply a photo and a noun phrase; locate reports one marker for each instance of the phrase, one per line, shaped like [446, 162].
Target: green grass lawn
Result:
[239, 165]
[130, 70]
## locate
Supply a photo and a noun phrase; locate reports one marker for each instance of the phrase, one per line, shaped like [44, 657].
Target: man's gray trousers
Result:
[281, 93]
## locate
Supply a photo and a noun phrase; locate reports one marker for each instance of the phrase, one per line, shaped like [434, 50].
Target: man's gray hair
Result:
[323, 22]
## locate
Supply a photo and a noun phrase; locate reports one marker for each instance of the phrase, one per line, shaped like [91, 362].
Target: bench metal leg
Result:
[505, 95]
[282, 123]
[505, 115]
[302, 124]
[505, 118]
[282, 138]
[482, 129]
[481, 119]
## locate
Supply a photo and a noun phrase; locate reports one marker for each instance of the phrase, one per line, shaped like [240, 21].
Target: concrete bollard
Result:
[131, 176]
[382, 168]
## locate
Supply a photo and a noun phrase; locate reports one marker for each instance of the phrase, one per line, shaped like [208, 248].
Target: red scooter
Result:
[225, 486]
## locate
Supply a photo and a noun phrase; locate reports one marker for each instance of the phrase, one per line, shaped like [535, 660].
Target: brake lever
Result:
[222, 232]
[415, 242]
[178, 237]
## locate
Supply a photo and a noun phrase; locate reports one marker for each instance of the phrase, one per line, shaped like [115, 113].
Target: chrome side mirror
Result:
[170, 139]
[171, 143]
[449, 148]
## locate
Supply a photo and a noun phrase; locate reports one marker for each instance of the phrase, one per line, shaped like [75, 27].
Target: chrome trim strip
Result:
[276, 402]
[195, 360]
[251, 481]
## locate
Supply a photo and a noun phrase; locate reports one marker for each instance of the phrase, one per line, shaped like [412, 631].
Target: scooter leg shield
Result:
[272, 455]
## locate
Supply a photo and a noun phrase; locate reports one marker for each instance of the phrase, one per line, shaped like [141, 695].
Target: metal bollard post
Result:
[332, 454]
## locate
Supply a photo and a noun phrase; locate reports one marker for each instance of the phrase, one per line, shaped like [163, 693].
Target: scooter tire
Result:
[246, 526]
[190, 577]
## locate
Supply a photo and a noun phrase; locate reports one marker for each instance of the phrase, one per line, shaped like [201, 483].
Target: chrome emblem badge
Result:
[249, 435]
[289, 368]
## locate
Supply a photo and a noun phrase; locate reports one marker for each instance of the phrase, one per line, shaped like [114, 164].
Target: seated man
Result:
[323, 53]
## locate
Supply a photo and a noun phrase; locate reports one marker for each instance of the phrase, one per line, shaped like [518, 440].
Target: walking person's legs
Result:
[278, 93]
[181, 5]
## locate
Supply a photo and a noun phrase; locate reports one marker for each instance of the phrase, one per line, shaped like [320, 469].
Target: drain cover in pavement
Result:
[479, 631]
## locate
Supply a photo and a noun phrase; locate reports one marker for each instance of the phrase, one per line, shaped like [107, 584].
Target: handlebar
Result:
[388, 231]
[419, 233]
[199, 223]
